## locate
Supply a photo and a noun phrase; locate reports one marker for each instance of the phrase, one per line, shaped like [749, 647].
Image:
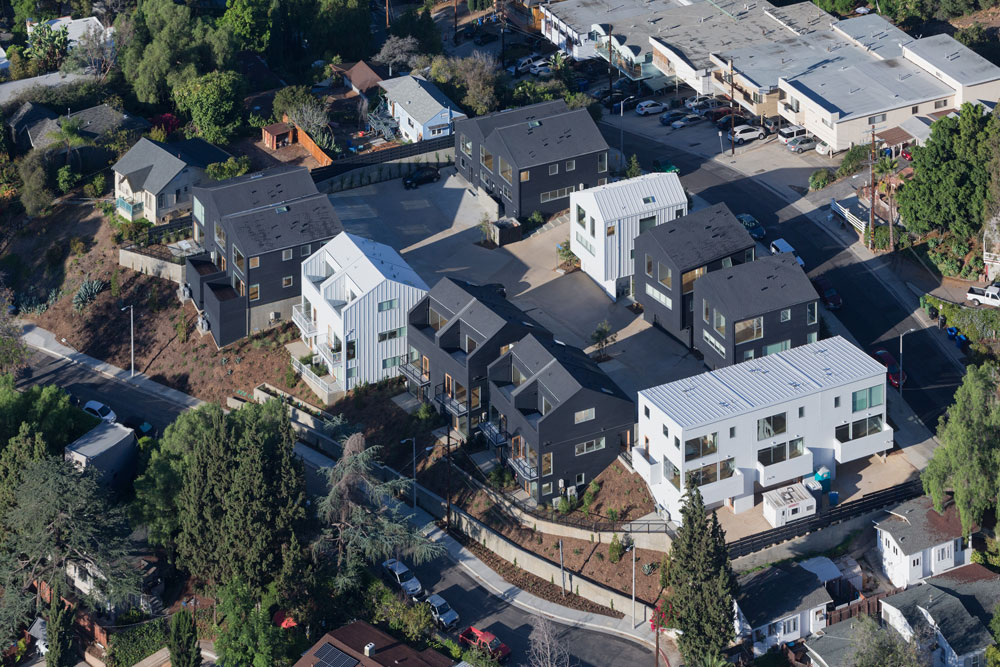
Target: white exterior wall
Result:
[899, 566]
[817, 429]
[557, 31]
[151, 210]
[989, 91]
[808, 622]
[944, 656]
[699, 79]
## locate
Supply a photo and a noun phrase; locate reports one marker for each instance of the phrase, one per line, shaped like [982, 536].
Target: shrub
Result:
[566, 505]
[66, 178]
[77, 247]
[613, 514]
[616, 549]
[501, 478]
[854, 159]
[89, 289]
[291, 377]
[425, 412]
[98, 183]
[182, 330]
[134, 644]
[820, 178]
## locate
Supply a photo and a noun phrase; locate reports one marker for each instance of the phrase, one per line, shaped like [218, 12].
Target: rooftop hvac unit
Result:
[369, 649]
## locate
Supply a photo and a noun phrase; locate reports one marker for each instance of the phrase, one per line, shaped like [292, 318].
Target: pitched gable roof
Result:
[420, 98]
[758, 287]
[150, 165]
[777, 592]
[363, 76]
[915, 525]
[701, 237]
[563, 369]
[551, 138]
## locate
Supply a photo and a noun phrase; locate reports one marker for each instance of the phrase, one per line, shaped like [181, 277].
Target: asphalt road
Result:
[474, 604]
[870, 311]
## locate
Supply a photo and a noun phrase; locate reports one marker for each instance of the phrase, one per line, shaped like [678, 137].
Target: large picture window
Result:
[485, 158]
[859, 429]
[239, 261]
[687, 280]
[695, 448]
[220, 236]
[748, 330]
[768, 427]
[863, 399]
[466, 144]
[671, 473]
[664, 275]
[589, 446]
[435, 319]
[506, 173]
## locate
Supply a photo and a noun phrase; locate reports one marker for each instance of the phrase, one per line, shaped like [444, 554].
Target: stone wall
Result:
[151, 266]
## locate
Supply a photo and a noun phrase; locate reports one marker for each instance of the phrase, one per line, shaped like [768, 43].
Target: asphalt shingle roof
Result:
[777, 592]
[562, 369]
[754, 288]
[836, 644]
[485, 308]
[150, 165]
[95, 122]
[552, 138]
[701, 237]
[420, 98]
[916, 525]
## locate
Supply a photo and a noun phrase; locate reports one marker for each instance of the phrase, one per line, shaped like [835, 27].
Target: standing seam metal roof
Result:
[625, 198]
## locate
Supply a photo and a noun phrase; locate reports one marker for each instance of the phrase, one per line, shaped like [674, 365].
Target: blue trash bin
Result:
[961, 340]
[952, 332]
[834, 498]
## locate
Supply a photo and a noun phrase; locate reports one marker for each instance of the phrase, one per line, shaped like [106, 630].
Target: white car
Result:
[782, 247]
[540, 67]
[697, 99]
[824, 148]
[101, 411]
[400, 575]
[689, 119]
[649, 107]
[744, 133]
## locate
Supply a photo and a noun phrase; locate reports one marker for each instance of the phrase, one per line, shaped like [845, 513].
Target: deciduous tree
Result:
[214, 102]
[48, 46]
[98, 52]
[544, 647]
[878, 647]
[231, 168]
[13, 350]
[249, 21]
[292, 97]
[397, 51]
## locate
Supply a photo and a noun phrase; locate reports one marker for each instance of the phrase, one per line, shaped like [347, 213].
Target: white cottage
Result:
[780, 604]
[419, 108]
[607, 218]
[915, 541]
[356, 294]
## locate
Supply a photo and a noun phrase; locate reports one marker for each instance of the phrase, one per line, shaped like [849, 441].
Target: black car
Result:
[630, 102]
[421, 176]
[827, 293]
[485, 37]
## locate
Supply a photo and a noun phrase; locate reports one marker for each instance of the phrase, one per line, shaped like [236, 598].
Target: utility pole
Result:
[447, 514]
[732, 116]
[562, 570]
[455, 15]
[387, 15]
[131, 327]
[633, 585]
[871, 187]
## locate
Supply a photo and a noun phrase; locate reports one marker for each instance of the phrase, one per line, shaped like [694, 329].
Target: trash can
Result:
[952, 332]
[823, 476]
[961, 341]
[834, 498]
[942, 320]
[932, 312]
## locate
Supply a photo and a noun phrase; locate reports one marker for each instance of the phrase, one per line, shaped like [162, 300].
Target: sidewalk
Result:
[41, 339]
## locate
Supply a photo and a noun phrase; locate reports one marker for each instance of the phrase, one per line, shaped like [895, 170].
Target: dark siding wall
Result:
[272, 269]
[227, 319]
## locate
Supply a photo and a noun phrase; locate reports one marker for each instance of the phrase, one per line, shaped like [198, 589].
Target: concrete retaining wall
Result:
[388, 171]
[151, 266]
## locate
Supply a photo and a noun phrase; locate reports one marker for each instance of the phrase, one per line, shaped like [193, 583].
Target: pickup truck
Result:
[486, 642]
[980, 295]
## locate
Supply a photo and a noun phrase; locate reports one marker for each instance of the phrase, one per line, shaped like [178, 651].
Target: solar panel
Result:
[329, 655]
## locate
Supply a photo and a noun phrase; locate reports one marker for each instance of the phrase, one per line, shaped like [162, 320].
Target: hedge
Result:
[130, 646]
[976, 323]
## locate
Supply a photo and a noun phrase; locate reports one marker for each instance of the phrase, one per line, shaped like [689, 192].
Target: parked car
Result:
[689, 119]
[541, 70]
[727, 122]
[400, 575]
[706, 106]
[485, 37]
[421, 176]
[101, 411]
[625, 104]
[906, 153]
[980, 295]
[757, 231]
[771, 124]
[828, 294]
[442, 613]
[650, 107]
[893, 372]
[697, 99]
[538, 65]
[790, 132]
[718, 113]
[744, 133]
[803, 143]
[824, 148]
[781, 246]
[484, 641]
[670, 116]
[665, 167]
[522, 65]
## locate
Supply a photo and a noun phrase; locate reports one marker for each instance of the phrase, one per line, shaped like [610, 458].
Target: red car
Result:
[906, 153]
[486, 642]
[827, 293]
[893, 371]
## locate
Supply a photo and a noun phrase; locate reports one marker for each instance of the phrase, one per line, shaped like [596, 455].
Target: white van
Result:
[781, 247]
[789, 132]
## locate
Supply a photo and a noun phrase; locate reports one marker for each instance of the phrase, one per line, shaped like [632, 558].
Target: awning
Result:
[894, 136]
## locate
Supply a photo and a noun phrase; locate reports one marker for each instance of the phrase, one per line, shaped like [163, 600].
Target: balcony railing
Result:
[331, 357]
[415, 374]
[305, 325]
[450, 403]
[131, 208]
[493, 432]
[523, 468]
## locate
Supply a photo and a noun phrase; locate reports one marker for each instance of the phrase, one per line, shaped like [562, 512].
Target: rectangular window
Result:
[796, 448]
[671, 473]
[587, 245]
[677, 443]
[774, 348]
[647, 223]
[863, 399]
[719, 322]
[748, 255]
[771, 455]
[475, 397]
[687, 280]
[239, 286]
[602, 163]
[695, 448]
[812, 337]
[220, 236]
[561, 193]
[198, 211]
[546, 464]
[517, 378]
[802, 412]
[589, 446]
[525, 175]
[727, 262]
[768, 427]
[391, 334]
[747, 355]
[553, 169]
[581, 216]
[836, 401]
[287, 281]
[470, 344]
[435, 320]
[659, 296]
[811, 313]
[255, 262]
[570, 165]
[915, 110]
[592, 226]
[287, 254]
[610, 230]
[732, 432]
[792, 625]
[239, 261]
[506, 173]
[305, 251]
[727, 468]
[255, 292]
[466, 144]
[706, 311]
[875, 120]
[666, 431]
[786, 314]
[645, 411]
[580, 478]
[714, 344]
[352, 349]
[748, 330]
[940, 104]
[664, 275]
[547, 489]
[485, 158]
[388, 304]
[583, 416]
[390, 362]
[649, 266]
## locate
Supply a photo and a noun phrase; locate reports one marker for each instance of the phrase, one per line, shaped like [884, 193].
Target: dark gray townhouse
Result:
[256, 229]
[454, 333]
[754, 309]
[671, 257]
[557, 418]
[530, 159]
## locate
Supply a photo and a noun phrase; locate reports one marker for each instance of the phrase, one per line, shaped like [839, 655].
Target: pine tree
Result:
[59, 630]
[702, 583]
[183, 640]
[633, 169]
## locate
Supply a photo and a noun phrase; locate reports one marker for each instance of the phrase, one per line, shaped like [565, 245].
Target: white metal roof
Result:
[955, 59]
[760, 383]
[629, 197]
[368, 263]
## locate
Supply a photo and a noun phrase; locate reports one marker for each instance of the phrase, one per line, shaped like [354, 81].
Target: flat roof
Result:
[760, 383]
[99, 439]
[954, 60]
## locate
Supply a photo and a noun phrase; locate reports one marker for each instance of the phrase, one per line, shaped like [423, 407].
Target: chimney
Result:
[369, 649]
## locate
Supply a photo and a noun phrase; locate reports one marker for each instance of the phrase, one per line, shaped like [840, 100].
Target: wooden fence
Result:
[869, 606]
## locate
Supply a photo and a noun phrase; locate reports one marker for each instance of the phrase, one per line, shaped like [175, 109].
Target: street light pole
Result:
[413, 441]
[901, 359]
[131, 326]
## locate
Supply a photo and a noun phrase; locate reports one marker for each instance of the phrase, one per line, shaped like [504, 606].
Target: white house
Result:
[914, 541]
[781, 603]
[950, 614]
[75, 28]
[356, 294]
[765, 423]
[609, 217]
[110, 449]
[419, 108]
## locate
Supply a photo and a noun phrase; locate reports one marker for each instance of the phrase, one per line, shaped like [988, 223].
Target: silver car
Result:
[803, 143]
[403, 577]
[441, 611]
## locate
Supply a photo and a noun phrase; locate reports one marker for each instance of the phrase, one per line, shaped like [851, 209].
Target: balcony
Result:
[494, 433]
[305, 325]
[330, 356]
[450, 403]
[785, 471]
[129, 208]
[523, 468]
[415, 374]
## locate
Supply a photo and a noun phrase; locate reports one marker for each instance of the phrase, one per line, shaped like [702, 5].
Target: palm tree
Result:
[712, 661]
[69, 135]
[885, 168]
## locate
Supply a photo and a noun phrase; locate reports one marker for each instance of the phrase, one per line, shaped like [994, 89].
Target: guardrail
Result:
[312, 377]
[867, 503]
[845, 213]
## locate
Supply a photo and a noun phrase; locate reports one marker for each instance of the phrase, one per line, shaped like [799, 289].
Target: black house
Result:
[669, 258]
[454, 333]
[558, 418]
[754, 309]
[530, 159]
[256, 230]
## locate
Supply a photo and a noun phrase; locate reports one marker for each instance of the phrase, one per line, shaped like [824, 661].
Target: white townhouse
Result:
[356, 294]
[419, 108]
[760, 424]
[607, 219]
[915, 541]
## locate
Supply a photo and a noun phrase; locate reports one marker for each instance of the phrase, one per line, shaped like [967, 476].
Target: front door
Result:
[448, 384]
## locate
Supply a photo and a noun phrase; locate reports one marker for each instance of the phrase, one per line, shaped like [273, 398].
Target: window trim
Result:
[287, 281]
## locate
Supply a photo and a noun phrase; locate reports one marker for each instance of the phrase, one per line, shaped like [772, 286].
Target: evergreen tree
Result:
[59, 629]
[633, 169]
[183, 641]
[246, 635]
[702, 583]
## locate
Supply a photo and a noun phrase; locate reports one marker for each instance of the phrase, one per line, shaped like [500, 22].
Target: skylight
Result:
[649, 200]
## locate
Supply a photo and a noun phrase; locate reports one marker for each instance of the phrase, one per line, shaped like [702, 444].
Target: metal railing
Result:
[130, 207]
[450, 403]
[331, 357]
[415, 374]
[525, 469]
[494, 434]
[849, 510]
[307, 373]
[305, 325]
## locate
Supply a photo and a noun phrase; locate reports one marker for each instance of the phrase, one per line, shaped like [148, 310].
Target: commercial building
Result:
[356, 295]
[915, 541]
[532, 158]
[609, 217]
[760, 424]
[754, 309]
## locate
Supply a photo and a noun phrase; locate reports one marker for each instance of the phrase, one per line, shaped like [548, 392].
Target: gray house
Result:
[670, 257]
[531, 159]
[558, 419]
[753, 309]
[257, 229]
[110, 449]
[28, 124]
[454, 333]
